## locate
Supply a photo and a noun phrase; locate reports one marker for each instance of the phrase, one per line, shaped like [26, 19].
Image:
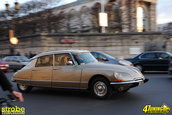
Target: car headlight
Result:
[136, 70]
[122, 75]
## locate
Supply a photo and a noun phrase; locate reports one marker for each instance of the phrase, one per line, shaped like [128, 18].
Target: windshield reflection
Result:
[84, 58]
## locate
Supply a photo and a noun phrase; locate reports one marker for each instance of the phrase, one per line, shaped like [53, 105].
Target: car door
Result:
[149, 61]
[65, 75]
[42, 73]
[163, 61]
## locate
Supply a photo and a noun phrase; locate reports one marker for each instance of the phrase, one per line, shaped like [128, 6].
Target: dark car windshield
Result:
[84, 58]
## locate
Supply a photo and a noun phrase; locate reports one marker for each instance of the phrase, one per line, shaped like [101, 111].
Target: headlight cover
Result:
[122, 76]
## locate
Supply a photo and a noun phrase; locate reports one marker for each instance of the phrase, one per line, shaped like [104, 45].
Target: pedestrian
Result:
[6, 86]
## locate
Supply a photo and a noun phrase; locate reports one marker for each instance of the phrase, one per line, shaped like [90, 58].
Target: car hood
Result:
[134, 73]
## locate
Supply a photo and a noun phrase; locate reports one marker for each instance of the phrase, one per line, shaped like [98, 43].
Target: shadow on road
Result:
[79, 94]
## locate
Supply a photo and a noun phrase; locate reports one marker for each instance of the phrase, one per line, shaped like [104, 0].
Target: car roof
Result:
[15, 56]
[97, 52]
[58, 52]
[155, 52]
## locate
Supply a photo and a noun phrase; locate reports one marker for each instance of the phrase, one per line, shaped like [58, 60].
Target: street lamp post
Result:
[103, 18]
[11, 34]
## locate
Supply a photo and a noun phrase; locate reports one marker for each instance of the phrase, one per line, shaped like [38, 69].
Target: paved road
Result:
[48, 101]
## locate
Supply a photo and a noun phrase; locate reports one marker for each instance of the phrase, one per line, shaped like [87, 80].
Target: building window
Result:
[140, 19]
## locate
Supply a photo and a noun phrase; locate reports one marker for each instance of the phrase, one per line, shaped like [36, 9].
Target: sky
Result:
[164, 9]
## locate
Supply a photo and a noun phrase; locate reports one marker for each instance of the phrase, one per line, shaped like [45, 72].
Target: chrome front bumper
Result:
[128, 84]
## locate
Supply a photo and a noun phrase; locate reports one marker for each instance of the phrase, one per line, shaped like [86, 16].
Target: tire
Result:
[100, 88]
[24, 88]
[140, 68]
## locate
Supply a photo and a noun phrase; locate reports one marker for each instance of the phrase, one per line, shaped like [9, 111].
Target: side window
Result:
[149, 56]
[62, 59]
[95, 55]
[10, 59]
[163, 56]
[44, 61]
[14, 59]
[6, 59]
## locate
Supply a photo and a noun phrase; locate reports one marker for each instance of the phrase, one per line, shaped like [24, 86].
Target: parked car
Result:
[77, 69]
[104, 57]
[16, 62]
[4, 67]
[170, 68]
[152, 61]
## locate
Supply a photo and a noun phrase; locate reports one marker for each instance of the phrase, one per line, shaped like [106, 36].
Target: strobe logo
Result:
[13, 110]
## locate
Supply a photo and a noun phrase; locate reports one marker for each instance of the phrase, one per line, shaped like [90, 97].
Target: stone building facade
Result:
[120, 45]
[82, 17]
[130, 29]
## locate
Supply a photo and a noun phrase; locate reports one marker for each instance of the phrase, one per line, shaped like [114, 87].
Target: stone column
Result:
[152, 17]
[133, 16]
[125, 16]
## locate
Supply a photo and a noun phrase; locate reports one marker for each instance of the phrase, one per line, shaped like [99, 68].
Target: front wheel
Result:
[100, 88]
[24, 88]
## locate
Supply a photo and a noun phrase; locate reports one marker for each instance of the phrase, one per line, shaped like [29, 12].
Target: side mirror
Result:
[70, 63]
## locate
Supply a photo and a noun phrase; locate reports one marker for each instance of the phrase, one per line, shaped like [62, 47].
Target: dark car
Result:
[152, 61]
[16, 62]
[4, 67]
[104, 57]
[170, 67]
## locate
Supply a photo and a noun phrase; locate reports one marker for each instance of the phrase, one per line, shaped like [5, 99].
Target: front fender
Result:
[87, 74]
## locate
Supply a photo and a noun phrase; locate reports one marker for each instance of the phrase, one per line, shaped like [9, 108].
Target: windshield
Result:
[84, 58]
[30, 64]
[108, 56]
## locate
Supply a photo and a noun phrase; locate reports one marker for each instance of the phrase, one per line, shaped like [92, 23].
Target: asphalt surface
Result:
[51, 101]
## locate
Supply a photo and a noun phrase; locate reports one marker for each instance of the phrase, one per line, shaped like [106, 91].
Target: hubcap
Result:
[23, 87]
[100, 88]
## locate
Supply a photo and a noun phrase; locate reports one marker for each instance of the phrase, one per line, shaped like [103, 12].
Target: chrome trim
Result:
[126, 82]
[21, 79]
[66, 82]
[40, 80]
[48, 81]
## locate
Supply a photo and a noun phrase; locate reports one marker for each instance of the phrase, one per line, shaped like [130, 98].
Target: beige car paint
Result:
[69, 76]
